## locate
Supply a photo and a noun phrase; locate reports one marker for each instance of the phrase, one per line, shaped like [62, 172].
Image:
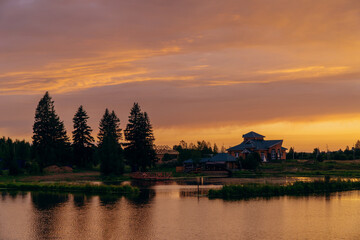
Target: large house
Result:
[268, 150]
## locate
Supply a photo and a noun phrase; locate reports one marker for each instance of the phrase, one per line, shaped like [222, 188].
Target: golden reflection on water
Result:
[175, 212]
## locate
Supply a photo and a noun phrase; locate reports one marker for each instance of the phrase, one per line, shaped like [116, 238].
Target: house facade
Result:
[269, 150]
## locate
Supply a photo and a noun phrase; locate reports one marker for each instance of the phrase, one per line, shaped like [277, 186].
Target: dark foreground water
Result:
[177, 212]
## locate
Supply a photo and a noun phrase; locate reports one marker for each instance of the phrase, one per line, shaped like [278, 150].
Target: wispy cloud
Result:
[208, 63]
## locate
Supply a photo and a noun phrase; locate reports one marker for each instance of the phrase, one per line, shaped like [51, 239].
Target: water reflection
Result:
[48, 200]
[145, 197]
[177, 212]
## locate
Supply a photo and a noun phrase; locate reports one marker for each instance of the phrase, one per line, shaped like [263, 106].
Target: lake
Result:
[177, 210]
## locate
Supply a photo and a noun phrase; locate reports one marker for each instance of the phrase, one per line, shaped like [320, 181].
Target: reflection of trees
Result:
[109, 200]
[145, 196]
[7, 194]
[13, 194]
[81, 199]
[46, 219]
[45, 201]
[140, 214]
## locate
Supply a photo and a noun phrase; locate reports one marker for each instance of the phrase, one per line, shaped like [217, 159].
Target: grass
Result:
[126, 190]
[268, 190]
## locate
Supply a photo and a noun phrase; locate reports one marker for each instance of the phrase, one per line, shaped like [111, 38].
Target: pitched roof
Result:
[222, 157]
[252, 135]
[255, 144]
[189, 161]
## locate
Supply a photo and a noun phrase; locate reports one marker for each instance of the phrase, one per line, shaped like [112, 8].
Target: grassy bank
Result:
[70, 188]
[295, 189]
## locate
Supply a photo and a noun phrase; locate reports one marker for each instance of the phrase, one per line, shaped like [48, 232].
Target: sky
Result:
[203, 69]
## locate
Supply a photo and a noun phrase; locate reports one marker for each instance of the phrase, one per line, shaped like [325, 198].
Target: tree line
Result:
[321, 155]
[51, 144]
[201, 149]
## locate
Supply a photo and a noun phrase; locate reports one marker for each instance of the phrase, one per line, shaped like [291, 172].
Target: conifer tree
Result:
[109, 149]
[139, 150]
[83, 142]
[50, 142]
[215, 149]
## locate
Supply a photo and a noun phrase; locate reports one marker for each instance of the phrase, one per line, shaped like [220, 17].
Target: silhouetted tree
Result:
[109, 149]
[14, 155]
[50, 142]
[215, 149]
[196, 152]
[139, 151]
[291, 154]
[83, 142]
[357, 149]
[223, 149]
[251, 162]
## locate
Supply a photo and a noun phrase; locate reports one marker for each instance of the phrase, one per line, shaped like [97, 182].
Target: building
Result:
[269, 150]
[218, 162]
[164, 150]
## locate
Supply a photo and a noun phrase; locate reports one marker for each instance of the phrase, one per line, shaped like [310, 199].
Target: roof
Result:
[220, 157]
[252, 135]
[163, 149]
[189, 161]
[255, 144]
[204, 160]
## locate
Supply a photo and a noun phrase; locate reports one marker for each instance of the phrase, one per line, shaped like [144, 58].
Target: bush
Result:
[251, 162]
[32, 167]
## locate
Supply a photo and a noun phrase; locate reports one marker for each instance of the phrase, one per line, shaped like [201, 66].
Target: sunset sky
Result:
[202, 69]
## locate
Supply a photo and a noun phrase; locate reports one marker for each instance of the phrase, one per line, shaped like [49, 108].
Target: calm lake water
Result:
[176, 211]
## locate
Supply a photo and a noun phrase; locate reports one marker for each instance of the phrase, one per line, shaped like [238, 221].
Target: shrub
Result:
[252, 161]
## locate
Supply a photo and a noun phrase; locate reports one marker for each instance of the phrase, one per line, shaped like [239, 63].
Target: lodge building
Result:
[269, 150]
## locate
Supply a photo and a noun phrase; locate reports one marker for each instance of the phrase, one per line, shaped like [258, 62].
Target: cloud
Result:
[190, 63]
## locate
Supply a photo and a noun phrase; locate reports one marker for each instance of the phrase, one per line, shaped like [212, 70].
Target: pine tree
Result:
[109, 149]
[50, 142]
[215, 149]
[139, 151]
[83, 142]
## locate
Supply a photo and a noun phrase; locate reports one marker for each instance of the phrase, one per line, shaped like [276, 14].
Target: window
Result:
[263, 158]
[273, 154]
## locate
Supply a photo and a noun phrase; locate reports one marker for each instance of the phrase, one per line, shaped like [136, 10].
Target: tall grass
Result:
[295, 189]
[62, 187]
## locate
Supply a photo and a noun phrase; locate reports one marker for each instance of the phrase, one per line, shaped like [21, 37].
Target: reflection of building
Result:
[167, 152]
[253, 142]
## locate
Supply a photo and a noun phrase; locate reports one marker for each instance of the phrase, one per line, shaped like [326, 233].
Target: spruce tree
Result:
[83, 142]
[215, 149]
[139, 151]
[50, 142]
[109, 149]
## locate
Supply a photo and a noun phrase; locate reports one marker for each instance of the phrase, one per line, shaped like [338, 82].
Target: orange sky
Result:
[203, 69]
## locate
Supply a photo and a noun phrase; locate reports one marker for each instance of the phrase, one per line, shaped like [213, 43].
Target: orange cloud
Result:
[228, 68]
